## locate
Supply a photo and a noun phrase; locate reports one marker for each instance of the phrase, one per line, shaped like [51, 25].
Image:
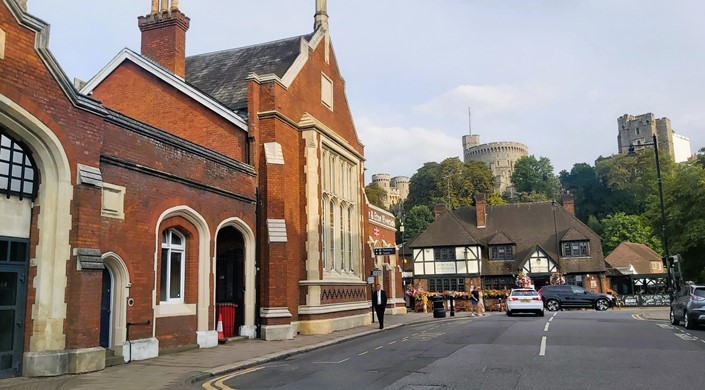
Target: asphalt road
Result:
[564, 350]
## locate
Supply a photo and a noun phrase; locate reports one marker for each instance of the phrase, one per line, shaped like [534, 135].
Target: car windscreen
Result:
[699, 292]
[524, 293]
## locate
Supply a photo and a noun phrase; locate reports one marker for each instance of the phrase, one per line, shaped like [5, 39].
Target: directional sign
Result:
[385, 251]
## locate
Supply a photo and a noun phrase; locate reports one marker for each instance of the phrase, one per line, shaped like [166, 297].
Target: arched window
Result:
[173, 267]
[326, 217]
[331, 234]
[17, 175]
[341, 247]
[349, 239]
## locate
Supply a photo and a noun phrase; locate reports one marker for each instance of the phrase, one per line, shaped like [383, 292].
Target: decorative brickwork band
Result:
[342, 295]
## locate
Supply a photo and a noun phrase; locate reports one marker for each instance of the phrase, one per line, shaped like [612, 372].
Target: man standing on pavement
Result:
[379, 303]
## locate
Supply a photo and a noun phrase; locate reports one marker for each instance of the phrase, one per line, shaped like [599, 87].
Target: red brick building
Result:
[169, 190]
[111, 227]
[381, 227]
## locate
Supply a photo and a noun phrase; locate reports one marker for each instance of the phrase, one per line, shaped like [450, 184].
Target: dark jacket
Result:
[384, 299]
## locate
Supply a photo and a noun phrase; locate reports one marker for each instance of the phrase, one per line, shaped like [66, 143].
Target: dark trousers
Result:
[380, 315]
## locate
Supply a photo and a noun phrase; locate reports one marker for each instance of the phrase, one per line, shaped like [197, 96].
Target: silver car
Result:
[689, 306]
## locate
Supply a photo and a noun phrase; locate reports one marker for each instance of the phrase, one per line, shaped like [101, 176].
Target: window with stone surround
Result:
[576, 249]
[173, 267]
[339, 220]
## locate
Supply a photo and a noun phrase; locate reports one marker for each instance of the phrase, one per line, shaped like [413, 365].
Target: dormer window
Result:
[502, 252]
[576, 249]
[447, 253]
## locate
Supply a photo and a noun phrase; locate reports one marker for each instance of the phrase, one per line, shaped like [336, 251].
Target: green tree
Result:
[532, 175]
[422, 186]
[451, 182]
[417, 220]
[592, 197]
[684, 204]
[376, 195]
[620, 227]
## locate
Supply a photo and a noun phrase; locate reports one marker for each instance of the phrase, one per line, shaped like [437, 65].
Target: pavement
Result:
[181, 370]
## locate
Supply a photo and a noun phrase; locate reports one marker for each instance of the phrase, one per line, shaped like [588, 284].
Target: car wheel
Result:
[687, 322]
[540, 313]
[509, 313]
[553, 305]
[601, 305]
[674, 321]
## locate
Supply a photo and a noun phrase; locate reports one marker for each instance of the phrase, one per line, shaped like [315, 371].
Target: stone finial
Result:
[23, 4]
[321, 16]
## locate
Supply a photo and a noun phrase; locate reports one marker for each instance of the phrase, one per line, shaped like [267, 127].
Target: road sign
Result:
[385, 251]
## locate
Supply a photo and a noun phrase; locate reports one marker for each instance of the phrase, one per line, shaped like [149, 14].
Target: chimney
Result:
[164, 35]
[568, 203]
[439, 210]
[321, 16]
[481, 210]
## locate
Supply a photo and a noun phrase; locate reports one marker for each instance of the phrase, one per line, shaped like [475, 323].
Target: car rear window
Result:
[524, 293]
[700, 292]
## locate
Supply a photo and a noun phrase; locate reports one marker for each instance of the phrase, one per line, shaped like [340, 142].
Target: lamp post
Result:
[669, 279]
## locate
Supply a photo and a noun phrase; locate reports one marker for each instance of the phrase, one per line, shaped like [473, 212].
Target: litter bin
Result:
[227, 311]
[438, 310]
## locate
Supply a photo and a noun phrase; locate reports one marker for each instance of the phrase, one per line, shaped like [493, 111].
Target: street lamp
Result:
[669, 279]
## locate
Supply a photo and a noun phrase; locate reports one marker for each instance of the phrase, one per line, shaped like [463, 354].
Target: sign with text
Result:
[385, 251]
[383, 219]
[376, 272]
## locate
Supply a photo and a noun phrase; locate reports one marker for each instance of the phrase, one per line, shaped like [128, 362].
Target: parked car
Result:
[557, 296]
[689, 306]
[524, 300]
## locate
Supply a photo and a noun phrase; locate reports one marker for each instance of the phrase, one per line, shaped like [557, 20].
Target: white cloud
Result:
[489, 100]
[399, 151]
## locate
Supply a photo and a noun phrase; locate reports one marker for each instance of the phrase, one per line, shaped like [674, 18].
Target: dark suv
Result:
[558, 296]
[689, 306]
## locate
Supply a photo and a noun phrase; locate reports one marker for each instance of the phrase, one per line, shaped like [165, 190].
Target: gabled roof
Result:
[224, 74]
[500, 239]
[633, 254]
[573, 235]
[167, 77]
[447, 230]
[528, 224]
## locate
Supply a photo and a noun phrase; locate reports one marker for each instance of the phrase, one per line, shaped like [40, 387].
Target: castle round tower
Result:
[500, 157]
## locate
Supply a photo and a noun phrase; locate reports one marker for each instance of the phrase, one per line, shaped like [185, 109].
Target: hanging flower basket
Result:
[523, 280]
[557, 278]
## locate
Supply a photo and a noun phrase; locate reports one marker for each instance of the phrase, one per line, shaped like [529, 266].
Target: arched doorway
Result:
[230, 280]
[18, 184]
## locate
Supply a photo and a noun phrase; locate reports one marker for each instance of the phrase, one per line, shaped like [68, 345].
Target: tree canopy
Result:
[535, 177]
[376, 195]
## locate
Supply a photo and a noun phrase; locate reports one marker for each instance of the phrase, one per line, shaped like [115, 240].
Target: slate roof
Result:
[527, 224]
[223, 74]
[638, 255]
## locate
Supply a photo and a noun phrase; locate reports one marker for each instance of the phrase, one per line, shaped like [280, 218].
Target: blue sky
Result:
[552, 74]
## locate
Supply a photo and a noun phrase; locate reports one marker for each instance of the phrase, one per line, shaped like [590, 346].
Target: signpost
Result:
[385, 251]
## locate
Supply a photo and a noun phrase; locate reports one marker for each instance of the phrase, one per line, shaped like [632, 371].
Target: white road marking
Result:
[550, 319]
[542, 351]
[380, 347]
[342, 361]
[545, 329]
[664, 326]
[555, 314]
[703, 341]
[362, 353]
[391, 342]
[685, 337]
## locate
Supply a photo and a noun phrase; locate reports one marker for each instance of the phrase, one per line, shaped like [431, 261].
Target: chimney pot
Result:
[164, 36]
